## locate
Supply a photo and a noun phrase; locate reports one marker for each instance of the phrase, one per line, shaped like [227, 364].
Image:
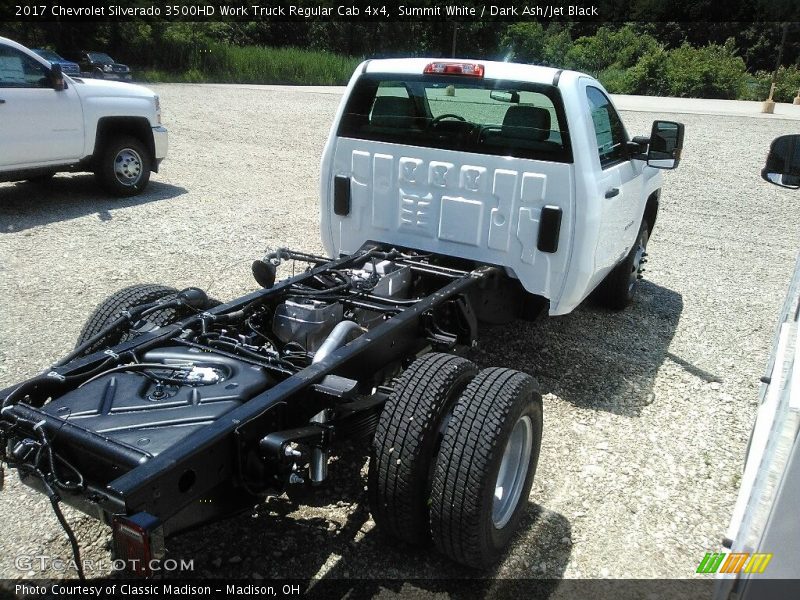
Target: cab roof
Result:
[492, 69]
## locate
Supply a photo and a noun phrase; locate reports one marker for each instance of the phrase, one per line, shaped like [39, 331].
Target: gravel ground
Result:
[647, 412]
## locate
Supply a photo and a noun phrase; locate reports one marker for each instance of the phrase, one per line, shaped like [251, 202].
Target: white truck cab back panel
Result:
[455, 200]
[485, 208]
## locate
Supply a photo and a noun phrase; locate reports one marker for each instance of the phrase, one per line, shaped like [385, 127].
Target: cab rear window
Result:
[467, 114]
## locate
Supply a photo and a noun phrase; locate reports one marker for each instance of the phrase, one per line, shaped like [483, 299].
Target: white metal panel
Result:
[479, 207]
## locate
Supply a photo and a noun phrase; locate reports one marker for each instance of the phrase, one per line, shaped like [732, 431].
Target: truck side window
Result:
[20, 71]
[608, 128]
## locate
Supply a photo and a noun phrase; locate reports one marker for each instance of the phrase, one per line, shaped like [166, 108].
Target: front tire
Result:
[486, 466]
[123, 166]
[406, 441]
[618, 290]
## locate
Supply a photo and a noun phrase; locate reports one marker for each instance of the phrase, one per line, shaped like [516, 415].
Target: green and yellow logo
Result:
[735, 562]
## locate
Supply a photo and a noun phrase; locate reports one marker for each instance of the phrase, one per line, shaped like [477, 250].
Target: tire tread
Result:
[468, 450]
[403, 446]
[124, 299]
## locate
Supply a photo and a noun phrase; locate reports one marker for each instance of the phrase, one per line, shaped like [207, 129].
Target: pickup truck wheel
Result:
[124, 299]
[123, 166]
[619, 287]
[486, 465]
[406, 441]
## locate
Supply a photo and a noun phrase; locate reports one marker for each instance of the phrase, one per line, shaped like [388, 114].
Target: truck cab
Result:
[50, 122]
[525, 167]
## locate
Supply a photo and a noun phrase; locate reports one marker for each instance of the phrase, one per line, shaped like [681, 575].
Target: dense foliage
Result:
[714, 60]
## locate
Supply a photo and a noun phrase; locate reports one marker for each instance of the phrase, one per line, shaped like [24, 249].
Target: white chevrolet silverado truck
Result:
[515, 165]
[50, 122]
[453, 192]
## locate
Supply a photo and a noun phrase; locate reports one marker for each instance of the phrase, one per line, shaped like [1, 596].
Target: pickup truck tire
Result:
[124, 299]
[406, 441]
[123, 166]
[486, 465]
[618, 289]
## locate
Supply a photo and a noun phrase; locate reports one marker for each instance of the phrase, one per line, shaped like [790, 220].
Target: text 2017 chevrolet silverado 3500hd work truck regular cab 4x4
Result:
[452, 192]
[50, 122]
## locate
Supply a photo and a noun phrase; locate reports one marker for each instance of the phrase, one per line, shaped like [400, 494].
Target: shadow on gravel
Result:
[593, 358]
[352, 559]
[24, 205]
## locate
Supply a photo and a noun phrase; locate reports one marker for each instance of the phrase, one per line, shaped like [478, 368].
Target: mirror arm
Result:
[57, 78]
[637, 147]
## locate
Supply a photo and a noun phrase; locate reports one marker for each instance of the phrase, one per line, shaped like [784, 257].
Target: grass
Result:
[257, 64]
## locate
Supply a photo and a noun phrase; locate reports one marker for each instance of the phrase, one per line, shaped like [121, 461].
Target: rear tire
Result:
[486, 465]
[619, 288]
[123, 166]
[406, 441]
[125, 299]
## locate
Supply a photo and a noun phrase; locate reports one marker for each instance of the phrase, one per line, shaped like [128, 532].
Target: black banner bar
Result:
[703, 587]
[377, 11]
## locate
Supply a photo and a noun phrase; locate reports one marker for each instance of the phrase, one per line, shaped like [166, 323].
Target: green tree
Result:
[712, 71]
[610, 48]
[533, 43]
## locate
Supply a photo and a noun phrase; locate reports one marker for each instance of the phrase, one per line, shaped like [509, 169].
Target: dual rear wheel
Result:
[454, 457]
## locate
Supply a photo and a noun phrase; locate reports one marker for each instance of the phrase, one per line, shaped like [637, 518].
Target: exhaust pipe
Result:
[344, 332]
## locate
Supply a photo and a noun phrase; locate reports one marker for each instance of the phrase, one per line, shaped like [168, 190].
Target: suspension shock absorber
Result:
[318, 467]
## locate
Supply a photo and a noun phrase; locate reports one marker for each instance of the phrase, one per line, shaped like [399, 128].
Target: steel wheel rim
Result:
[513, 472]
[128, 166]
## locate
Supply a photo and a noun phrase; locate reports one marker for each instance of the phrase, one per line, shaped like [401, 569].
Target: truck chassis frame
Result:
[192, 481]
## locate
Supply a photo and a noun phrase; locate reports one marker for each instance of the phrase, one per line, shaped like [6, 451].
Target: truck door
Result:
[38, 125]
[619, 188]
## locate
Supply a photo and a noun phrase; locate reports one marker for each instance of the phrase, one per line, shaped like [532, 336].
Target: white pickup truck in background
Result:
[50, 123]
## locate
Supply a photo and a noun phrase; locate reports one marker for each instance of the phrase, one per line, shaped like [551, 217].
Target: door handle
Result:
[610, 193]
